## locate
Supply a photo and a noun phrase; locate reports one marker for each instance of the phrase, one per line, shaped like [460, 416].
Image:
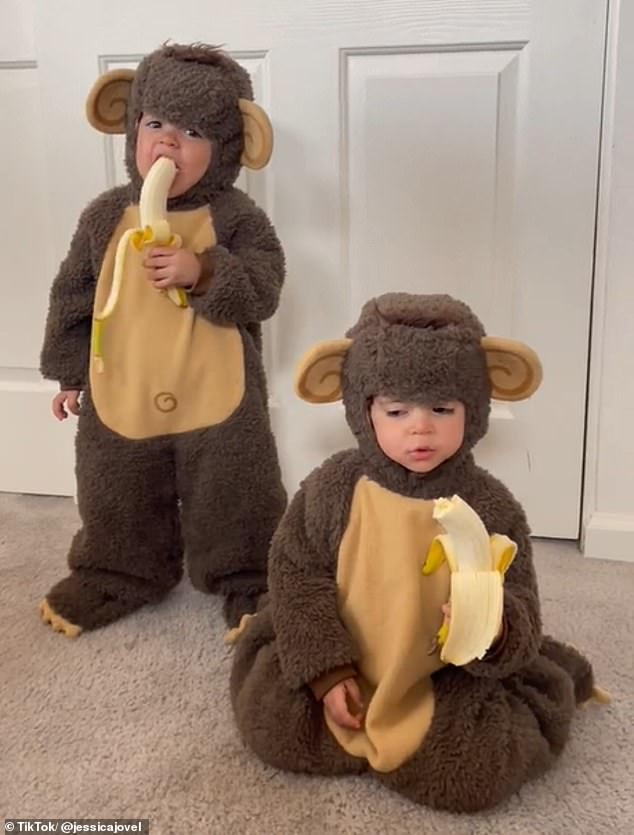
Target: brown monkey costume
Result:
[347, 596]
[178, 415]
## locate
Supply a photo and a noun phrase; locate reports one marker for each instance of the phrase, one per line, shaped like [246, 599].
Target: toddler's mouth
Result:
[167, 156]
[421, 453]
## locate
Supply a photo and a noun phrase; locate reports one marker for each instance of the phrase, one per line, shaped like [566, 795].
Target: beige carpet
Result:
[134, 720]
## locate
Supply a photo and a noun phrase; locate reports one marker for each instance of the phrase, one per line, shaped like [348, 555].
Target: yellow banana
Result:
[435, 557]
[154, 229]
[477, 563]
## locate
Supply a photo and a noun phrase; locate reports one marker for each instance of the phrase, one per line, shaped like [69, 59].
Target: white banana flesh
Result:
[477, 599]
[154, 230]
[153, 200]
[477, 563]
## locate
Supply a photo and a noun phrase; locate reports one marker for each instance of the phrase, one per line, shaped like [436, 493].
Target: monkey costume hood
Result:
[174, 403]
[429, 356]
[348, 599]
[195, 75]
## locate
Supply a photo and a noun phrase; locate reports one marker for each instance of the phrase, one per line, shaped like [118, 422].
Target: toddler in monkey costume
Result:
[343, 669]
[155, 318]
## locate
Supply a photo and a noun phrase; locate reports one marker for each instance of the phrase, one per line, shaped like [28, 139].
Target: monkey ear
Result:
[258, 135]
[318, 374]
[107, 102]
[515, 369]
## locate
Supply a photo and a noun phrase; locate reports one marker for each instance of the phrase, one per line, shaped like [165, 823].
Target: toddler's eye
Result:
[443, 410]
[193, 134]
[153, 123]
[395, 412]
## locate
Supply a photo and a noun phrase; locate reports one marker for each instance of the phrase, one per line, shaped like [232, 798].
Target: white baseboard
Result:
[609, 536]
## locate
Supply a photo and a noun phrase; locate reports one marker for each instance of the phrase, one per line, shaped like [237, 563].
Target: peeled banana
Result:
[477, 563]
[153, 202]
[154, 230]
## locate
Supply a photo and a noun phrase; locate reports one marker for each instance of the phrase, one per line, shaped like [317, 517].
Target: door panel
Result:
[420, 145]
[36, 454]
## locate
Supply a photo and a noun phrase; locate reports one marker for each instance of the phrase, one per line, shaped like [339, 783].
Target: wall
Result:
[608, 530]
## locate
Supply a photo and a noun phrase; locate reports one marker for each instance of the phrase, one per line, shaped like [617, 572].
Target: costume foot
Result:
[599, 695]
[576, 665]
[238, 604]
[233, 635]
[59, 624]
[90, 598]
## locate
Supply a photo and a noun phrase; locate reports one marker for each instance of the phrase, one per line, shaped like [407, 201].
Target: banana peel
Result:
[154, 230]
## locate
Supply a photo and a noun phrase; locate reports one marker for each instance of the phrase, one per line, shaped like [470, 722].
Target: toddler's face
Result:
[190, 151]
[418, 437]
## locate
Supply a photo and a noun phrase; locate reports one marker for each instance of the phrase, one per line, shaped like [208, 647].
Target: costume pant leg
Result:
[284, 727]
[487, 737]
[574, 663]
[230, 486]
[128, 551]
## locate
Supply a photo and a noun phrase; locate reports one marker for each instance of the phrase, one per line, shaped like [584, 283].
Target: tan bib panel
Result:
[166, 370]
[393, 614]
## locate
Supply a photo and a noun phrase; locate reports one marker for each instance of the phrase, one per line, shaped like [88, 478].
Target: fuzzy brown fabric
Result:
[487, 738]
[225, 478]
[320, 686]
[498, 721]
[66, 346]
[247, 265]
[193, 87]
[284, 726]
[428, 353]
[129, 550]
[576, 665]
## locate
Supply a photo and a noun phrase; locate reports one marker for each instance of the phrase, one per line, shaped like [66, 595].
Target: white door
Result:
[421, 145]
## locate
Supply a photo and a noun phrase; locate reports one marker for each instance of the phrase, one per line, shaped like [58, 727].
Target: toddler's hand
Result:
[339, 700]
[68, 398]
[170, 267]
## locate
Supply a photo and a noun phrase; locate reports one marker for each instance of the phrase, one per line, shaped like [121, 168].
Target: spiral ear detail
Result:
[107, 102]
[515, 369]
[318, 374]
[258, 135]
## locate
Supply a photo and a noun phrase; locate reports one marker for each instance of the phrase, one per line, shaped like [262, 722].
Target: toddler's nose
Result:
[168, 138]
[422, 424]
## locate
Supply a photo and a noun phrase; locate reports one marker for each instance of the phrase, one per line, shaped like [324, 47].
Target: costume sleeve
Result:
[322, 685]
[521, 635]
[66, 348]
[311, 637]
[242, 275]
